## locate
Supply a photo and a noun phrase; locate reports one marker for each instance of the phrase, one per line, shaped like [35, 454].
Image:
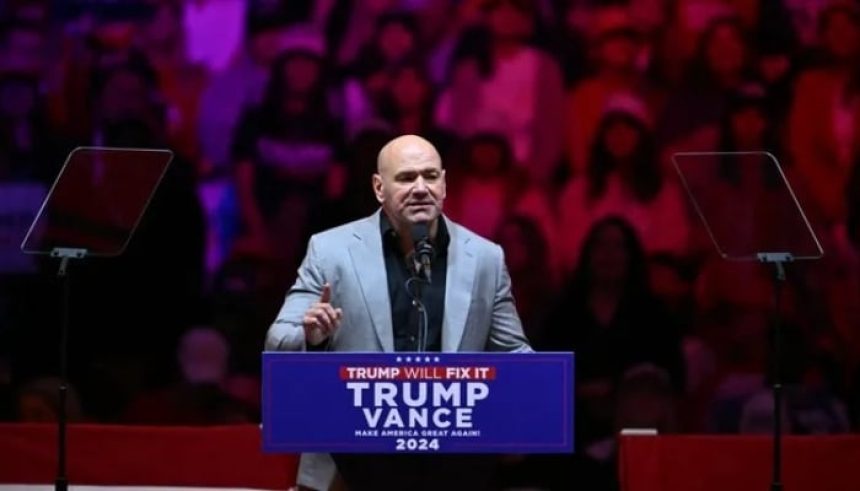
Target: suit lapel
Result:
[369, 264]
[460, 277]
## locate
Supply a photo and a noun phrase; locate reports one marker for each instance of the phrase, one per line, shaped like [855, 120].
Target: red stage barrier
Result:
[737, 463]
[218, 456]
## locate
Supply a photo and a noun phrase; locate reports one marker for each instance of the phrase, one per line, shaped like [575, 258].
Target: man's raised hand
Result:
[321, 320]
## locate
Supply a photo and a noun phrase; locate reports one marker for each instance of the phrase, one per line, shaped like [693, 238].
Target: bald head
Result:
[405, 147]
[410, 181]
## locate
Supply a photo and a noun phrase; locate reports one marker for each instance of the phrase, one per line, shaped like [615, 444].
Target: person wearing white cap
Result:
[623, 177]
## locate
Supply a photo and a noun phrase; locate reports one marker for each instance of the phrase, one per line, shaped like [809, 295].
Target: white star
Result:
[408, 358]
[427, 359]
[399, 359]
[436, 359]
[417, 359]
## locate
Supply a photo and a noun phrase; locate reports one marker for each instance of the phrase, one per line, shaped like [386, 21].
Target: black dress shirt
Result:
[415, 472]
[406, 318]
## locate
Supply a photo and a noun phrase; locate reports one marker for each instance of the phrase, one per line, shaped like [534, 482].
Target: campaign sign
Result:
[418, 402]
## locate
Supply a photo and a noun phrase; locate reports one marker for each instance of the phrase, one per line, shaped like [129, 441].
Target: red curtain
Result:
[737, 463]
[221, 456]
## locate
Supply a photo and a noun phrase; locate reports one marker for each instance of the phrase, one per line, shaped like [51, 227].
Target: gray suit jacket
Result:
[479, 314]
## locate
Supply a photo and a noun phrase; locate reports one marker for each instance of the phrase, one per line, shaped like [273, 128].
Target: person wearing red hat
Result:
[615, 47]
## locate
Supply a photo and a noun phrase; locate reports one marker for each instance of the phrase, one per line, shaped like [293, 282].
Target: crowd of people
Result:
[557, 122]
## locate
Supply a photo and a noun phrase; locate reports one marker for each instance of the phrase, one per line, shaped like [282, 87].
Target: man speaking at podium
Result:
[404, 279]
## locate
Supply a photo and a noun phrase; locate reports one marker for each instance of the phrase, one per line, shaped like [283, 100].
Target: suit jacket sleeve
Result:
[506, 331]
[286, 333]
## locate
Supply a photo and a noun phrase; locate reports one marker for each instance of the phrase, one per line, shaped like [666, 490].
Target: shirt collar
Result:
[440, 243]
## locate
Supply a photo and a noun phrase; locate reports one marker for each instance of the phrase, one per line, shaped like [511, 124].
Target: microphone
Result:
[423, 249]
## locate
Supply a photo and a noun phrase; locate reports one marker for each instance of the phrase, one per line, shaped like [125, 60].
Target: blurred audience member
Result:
[38, 401]
[741, 193]
[519, 94]
[532, 281]
[811, 401]
[823, 125]
[779, 58]
[608, 315]
[203, 356]
[671, 279]
[487, 186]
[624, 178]
[23, 48]
[126, 94]
[162, 41]
[29, 149]
[645, 399]
[722, 63]
[735, 303]
[359, 199]
[241, 85]
[351, 25]
[395, 40]
[444, 23]
[805, 16]
[615, 49]
[408, 108]
[571, 43]
[370, 79]
[200, 396]
[285, 151]
[833, 283]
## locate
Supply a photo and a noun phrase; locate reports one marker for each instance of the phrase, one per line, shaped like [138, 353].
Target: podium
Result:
[418, 403]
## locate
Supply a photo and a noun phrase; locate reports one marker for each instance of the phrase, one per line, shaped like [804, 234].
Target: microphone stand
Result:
[418, 303]
[421, 272]
[422, 316]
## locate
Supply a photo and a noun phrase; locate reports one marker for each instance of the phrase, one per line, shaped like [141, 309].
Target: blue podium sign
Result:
[418, 402]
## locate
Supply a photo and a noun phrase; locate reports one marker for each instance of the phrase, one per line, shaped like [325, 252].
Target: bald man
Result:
[355, 291]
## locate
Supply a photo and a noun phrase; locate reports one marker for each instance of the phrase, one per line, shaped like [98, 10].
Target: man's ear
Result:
[377, 187]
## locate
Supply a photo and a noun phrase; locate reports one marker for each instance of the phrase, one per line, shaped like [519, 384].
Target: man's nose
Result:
[420, 186]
